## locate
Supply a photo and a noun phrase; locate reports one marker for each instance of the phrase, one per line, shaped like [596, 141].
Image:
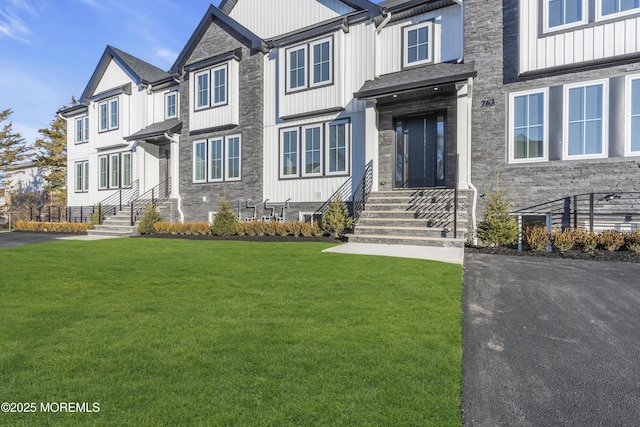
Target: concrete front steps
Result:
[118, 225]
[412, 217]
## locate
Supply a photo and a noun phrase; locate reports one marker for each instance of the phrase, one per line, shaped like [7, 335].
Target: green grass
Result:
[176, 332]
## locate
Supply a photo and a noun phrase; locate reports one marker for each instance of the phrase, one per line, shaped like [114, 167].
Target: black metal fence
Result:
[57, 214]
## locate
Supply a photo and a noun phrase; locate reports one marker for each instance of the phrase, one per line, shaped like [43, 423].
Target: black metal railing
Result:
[355, 199]
[156, 196]
[614, 208]
[119, 200]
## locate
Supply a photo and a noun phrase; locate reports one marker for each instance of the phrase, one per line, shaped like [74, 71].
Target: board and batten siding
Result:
[269, 19]
[599, 40]
[113, 77]
[159, 107]
[224, 115]
[447, 32]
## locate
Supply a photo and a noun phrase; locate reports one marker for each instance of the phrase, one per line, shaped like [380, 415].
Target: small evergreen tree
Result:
[13, 149]
[336, 219]
[498, 227]
[51, 155]
[225, 222]
[148, 220]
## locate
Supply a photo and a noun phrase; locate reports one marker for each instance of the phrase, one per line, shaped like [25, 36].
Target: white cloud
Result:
[166, 54]
[12, 26]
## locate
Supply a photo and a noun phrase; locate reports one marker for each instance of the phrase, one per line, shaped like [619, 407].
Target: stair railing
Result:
[115, 202]
[155, 196]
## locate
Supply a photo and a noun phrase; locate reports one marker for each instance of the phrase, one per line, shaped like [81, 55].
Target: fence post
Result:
[120, 192]
[31, 213]
[153, 196]
[50, 214]
[132, 224]
[591, 202]
[40, 214]
[519, 232]
[575, 212]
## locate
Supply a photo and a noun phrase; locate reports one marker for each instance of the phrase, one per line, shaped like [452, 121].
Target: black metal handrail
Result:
[156, 196]
[115, 202]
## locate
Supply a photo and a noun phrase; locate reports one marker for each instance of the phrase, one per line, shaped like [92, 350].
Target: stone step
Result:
[403, 215]
[109, 232]
[403, 207]
[115, 227]
[377, 198]
[406, 240]
[365, 230]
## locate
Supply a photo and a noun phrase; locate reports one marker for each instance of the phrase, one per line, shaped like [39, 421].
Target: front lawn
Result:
[176, 332]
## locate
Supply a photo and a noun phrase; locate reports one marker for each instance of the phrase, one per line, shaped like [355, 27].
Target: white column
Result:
[371, 139]
[463, 135]
[174, 167]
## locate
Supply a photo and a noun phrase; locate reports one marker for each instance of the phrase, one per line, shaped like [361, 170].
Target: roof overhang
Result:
[74, 110]
[411, 8]
[157, 132]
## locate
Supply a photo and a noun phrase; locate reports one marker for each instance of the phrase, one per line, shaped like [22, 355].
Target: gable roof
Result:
[403, 9]
[226, 6]
[212, 13]
[139, 71]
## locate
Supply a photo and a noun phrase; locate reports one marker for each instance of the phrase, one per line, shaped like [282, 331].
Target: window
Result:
[171, 105]
[321, 61]
[418, 44]
[109, 115]
[126, 169]
[315, 150]
[233, 158]
[560, 14]
[633, 115]
[337, 148]
[606, 8]
[220, 85]
[82, 176]
[289, 148]
[103, 172]
[585, 120]
[216, 80]
[82, 130]
[217, 159]
[297, 68]
[114, 171]
[312, 158]
[528, 126]
[310, 65]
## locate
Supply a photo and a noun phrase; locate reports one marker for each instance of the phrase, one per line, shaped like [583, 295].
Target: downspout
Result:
[385, 21]
[474, 238]
[180, 212]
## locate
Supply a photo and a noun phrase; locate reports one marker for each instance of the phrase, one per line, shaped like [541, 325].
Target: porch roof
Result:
[156, 130]
[416, 79]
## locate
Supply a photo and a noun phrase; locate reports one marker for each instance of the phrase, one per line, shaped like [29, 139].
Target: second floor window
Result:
[211, 87]
[297, 68]
[321, 60]
[82, 130]
[564, 13]
[171, 103]
[418, 44]
[108, 115]
[309, 65]
[610, 7]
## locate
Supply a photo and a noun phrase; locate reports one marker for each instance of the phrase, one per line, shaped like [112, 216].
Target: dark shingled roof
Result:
[156, 130]
[415, 79]
[148, 73]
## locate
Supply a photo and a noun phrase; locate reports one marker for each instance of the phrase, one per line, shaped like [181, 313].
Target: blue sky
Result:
[50, 48]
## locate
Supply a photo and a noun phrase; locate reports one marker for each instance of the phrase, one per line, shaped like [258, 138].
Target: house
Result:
[423, 102]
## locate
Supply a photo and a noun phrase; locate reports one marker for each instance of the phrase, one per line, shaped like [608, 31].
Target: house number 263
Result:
[488, 102]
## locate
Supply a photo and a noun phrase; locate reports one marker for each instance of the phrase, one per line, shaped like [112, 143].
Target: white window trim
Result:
[288, 69]
[545, 16]
[225, 165]
[601, 17]
[605, 120]
[298, 156]
[405, 47]
[303, 150]
[166, 105]
[196, 96]
[210, 142]
[347, 157]
[100, 186]
[193, 160]
[545, 127]
[84, 170]
[113, 159]
[627, 115]
[212, 85]
[311, 62]
[108, 103]
[122, 170]
[84, 135]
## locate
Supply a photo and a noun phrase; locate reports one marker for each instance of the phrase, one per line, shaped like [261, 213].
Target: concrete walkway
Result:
[10, 239]
[550, 342]
[451, 255]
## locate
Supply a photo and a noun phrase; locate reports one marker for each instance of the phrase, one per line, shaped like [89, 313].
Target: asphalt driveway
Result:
[550, 342]
[18, 238]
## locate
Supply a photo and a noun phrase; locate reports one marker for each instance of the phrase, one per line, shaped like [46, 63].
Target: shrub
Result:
[316, 230]
[336, 219]
[53, 227]
[587, 240]
[197, 228]
[563, 240]
[611, 240]
[498, 228]
[97, 217]
[536, 238]
[148, 220]
[294, 228]
[632, 241]
[226, 220]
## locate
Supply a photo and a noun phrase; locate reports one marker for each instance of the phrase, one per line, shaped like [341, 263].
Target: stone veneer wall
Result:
[219, 39]
[495, 54]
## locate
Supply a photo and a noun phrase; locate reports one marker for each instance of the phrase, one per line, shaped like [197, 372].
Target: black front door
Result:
[420, 152]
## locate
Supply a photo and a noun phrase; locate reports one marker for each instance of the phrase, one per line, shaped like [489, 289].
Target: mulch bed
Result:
[324, 239]
[598, 255]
